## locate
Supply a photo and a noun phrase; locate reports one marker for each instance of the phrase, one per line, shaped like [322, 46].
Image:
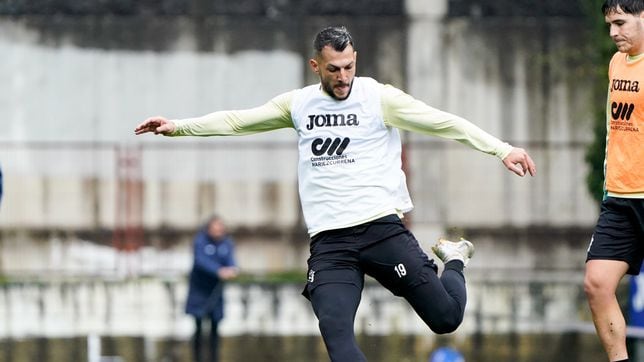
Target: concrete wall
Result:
[79, 79]
[76, 82]
[519, 79]
[153, 307]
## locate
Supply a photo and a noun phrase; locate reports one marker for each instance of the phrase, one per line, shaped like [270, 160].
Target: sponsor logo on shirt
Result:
[625, 85]
[329, 151]
[329, 146]
[621, 117]
[332, 120]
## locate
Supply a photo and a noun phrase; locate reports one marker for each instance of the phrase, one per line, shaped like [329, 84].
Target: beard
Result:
[328, 88]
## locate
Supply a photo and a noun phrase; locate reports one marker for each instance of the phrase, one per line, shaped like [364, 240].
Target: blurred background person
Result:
[214, 262]
[446, 354]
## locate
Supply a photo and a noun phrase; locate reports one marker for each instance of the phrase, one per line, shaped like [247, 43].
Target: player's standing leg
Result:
[600, 284]
[615, 250]
[335, 306]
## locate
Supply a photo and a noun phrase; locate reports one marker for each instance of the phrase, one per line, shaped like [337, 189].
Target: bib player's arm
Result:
[405, 112]
[275, 114]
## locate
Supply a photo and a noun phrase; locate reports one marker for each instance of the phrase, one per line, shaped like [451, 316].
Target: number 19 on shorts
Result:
[400, 270]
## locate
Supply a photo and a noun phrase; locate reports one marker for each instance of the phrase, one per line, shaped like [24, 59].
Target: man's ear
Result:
[314, 65]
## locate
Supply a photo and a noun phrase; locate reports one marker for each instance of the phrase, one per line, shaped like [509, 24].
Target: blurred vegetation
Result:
[599, 49]
[287, 276]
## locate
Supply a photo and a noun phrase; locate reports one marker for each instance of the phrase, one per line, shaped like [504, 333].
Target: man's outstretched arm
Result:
[156, 124]
[273, 115]
[405, 112]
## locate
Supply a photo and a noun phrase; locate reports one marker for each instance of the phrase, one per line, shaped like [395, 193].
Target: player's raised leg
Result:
[441, 301]
[401, 265]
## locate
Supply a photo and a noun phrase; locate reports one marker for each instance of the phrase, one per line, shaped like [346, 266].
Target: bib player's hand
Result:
[519, 162]
[158, 125]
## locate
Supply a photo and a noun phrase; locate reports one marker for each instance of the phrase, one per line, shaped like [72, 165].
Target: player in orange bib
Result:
[617, 245]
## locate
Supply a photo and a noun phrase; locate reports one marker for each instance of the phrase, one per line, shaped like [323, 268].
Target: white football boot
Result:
[453, 250]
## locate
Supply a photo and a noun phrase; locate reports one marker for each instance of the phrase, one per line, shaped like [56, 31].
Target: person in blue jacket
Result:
[446, 354]
[214, 262]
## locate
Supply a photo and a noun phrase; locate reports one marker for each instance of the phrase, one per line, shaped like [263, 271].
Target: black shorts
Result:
[619, 233]
[383, 249]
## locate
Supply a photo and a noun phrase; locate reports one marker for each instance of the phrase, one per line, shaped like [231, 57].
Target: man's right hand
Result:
[158, 125]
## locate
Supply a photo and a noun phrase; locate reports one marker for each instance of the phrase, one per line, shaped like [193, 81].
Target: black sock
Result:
[622, 360]
[455, 265]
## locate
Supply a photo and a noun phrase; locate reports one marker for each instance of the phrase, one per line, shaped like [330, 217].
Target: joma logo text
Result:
[625, 85]
[332, 120]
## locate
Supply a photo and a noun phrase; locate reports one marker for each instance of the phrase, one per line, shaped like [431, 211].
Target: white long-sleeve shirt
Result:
[349, 168]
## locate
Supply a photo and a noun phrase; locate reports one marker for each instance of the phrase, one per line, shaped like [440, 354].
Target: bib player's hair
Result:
[633, 7]
[337, 37]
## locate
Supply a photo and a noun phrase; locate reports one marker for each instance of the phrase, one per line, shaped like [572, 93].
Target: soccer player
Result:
[353, 191]
[617, 245]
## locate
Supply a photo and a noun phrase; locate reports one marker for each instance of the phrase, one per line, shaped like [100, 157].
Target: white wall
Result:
[68, 113]
[153, 308]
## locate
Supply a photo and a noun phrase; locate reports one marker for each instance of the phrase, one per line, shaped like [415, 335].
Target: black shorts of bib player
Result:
[385, 250]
